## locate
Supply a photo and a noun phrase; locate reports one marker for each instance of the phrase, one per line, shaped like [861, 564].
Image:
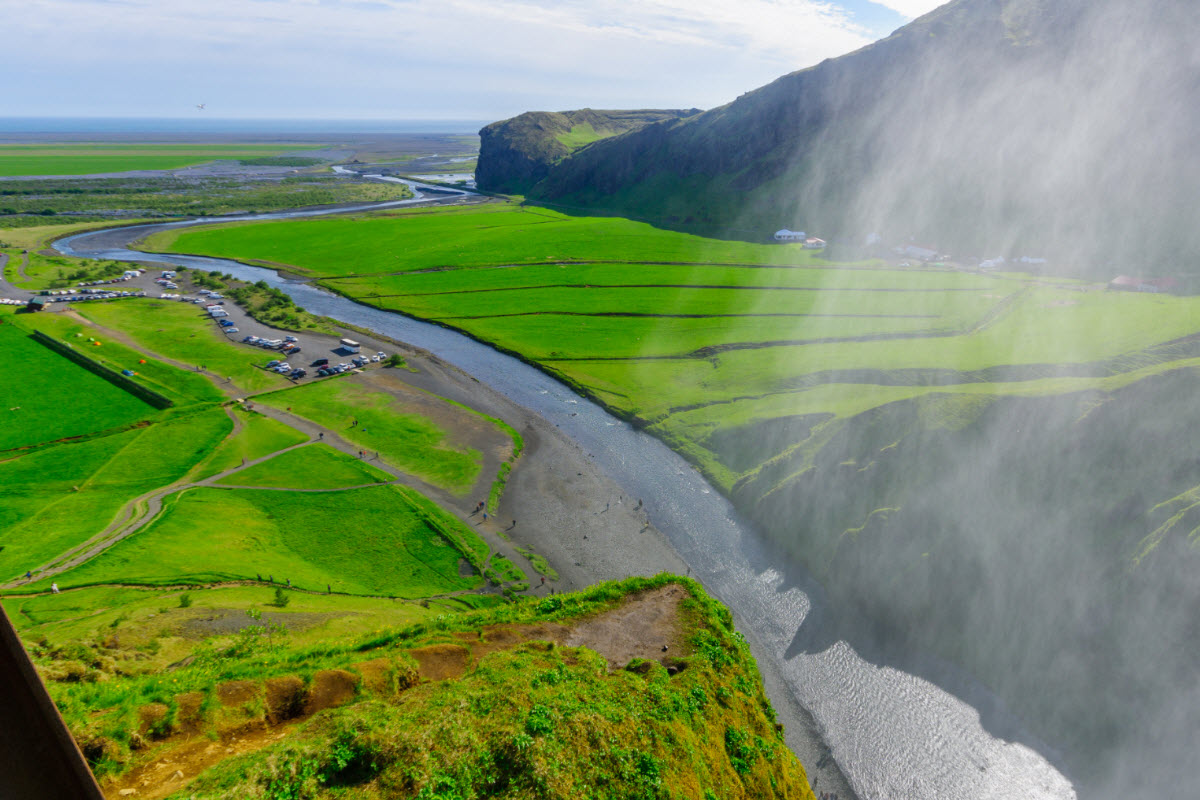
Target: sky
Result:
[414, 59]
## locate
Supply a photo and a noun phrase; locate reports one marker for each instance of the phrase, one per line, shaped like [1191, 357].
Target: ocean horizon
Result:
[217, 125]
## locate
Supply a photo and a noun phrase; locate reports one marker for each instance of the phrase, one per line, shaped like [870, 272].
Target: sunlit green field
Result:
[85, 158]
[58, 497]
[360, 541]
[317, 466]
[469, 237]
[185, 333]
[53, 397]
[694, 336]
[407, 441]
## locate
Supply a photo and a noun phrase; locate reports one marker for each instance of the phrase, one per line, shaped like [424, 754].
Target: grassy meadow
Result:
[359, 541]
[53, 397]
[86, 158]
[258, 436]
[58, 497]
[377, 422]
[185, 333]
[697, 336]
[315, 466]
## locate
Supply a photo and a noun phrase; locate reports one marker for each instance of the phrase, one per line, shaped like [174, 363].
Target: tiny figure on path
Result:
[328, 589]
[321, 435]
[54, 588]
[543, 580]
[514, 524]
[289, 583]
[361, 454]
[485, 516]
[259, 576]
[271, 578]
[28, 575]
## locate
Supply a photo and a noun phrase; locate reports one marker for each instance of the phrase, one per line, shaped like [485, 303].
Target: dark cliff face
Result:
[988, 127]
[517, 153]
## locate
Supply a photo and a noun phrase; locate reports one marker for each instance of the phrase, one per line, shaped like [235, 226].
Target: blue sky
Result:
[414, 59]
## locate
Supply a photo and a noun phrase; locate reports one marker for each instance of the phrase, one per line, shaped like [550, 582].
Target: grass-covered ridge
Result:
[524, 700]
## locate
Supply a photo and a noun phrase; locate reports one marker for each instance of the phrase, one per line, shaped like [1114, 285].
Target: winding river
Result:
[894, 734]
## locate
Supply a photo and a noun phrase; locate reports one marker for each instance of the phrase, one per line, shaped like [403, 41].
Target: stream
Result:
[894, 733]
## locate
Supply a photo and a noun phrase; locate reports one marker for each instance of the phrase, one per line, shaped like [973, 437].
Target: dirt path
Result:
[556, 504]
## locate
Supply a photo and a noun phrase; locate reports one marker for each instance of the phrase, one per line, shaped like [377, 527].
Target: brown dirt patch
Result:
[504, 637]
[385, 676]
[175, 768]
[285, 698]
[330, 688]
[439, 662]
[188, 717]
[236, 693]
[646, 626]
[151, 715]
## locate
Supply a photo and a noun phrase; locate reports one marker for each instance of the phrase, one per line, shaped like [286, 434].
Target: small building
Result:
[784, 235]
[36, 304]
[813, 243]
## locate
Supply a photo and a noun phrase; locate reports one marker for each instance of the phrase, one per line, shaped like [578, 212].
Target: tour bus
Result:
[350, 346]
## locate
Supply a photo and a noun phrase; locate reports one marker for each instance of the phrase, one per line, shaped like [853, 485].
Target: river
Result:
[895, 734]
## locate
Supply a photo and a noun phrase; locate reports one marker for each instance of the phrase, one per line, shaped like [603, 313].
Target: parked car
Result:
[248, 339]
[320, 362]
[290, 339]
[231, 330]
[226, 323]
[274, 363]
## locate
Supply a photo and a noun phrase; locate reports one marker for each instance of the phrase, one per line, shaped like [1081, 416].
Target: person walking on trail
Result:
[289, 583]
[543, 580]
[321, 435]
[28, 574]
[54, 588]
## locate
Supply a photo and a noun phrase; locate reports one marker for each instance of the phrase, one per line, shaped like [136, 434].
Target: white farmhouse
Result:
[784, 235]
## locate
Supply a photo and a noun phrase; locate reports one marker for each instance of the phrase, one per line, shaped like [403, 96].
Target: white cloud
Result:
[911, 8]
[409, 57]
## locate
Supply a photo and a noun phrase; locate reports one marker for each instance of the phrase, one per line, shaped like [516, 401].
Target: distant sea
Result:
[216, 125]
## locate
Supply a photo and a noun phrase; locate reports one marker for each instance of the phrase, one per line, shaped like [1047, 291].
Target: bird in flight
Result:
[201, 106]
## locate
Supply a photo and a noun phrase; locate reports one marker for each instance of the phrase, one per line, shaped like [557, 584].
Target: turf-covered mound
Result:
[640, 688]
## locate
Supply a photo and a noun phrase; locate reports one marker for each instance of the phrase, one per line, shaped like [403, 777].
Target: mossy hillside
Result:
[532, 719]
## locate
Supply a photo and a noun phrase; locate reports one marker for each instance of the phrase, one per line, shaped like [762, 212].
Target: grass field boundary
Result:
[149, 396]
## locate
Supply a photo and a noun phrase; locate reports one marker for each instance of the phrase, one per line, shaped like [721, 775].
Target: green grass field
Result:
[317, 466]
[696, 336]
[407, 441]
[50, 397]
[84, 158]
[259, 436]
[469, 237]
[182, 386]
[184, 333]
[58, 497]
[360, 541]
